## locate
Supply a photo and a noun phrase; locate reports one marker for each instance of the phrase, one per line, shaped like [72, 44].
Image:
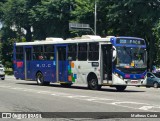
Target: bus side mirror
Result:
[114, 54]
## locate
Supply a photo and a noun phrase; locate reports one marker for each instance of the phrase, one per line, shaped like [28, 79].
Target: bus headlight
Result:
[121, 77]
[116, 74]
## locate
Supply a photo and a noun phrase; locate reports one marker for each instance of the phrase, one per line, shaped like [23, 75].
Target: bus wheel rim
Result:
[39, 78]
[93, 83]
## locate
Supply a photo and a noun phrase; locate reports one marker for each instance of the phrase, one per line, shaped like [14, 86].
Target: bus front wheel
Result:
[93, 84]
[40, 79]
[121, 88]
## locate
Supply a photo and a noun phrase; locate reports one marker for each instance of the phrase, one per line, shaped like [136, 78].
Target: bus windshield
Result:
[129, 57]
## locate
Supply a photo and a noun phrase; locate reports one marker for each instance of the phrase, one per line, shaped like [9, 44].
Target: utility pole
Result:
[95, 17]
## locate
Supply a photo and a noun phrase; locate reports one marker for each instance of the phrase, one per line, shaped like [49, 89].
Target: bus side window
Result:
[49, 52]
[82, 52]
[93, 51]
[37, 52]
[19, 53]
[72, 52]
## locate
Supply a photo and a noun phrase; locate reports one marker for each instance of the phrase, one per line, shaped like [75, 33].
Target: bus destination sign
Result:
[130, 41]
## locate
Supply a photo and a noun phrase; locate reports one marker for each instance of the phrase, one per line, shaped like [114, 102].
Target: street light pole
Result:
[95, 17]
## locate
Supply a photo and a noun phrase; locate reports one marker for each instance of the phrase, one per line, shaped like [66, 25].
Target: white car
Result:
[2, 72]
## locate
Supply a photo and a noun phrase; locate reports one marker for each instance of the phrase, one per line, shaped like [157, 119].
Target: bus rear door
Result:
[61, 64]
[27, 62]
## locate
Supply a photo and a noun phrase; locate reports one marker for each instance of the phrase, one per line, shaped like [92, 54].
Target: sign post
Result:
[80, 27]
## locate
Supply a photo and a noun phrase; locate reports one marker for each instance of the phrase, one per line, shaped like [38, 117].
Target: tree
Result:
[135, 18]
[15, 14]
[51, 18]
[156, 30]
[83, 12]
[7, 54]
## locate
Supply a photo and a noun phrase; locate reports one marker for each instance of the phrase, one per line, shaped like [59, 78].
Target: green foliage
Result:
[50, 18]
[7, 54]
[156, 31]
[15, 15]
[23, 39]
[8, 64]
[134, 18]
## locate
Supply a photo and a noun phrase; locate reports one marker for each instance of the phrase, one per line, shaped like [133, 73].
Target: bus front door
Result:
[106, 61]
[61, 64]
[27, 61]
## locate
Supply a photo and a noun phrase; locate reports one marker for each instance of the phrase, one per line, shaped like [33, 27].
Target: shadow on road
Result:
[104, 88]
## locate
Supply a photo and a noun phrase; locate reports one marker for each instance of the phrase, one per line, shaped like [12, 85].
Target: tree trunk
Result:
[151, 52]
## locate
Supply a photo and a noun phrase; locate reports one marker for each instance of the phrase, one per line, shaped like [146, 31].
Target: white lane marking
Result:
[53, 94]
[29, 90]
[131, 107]
[44, 92]
[145, 106]
[117, 103]
[57, 94]
[98, 99]
[5, 86]
[90, 99]
[17, 88]
[76, 96]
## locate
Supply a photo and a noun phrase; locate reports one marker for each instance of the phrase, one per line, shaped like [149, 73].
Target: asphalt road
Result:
[26, 96]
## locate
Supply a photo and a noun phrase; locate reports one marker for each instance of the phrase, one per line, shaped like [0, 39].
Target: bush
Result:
[9, 72]
[8, 64]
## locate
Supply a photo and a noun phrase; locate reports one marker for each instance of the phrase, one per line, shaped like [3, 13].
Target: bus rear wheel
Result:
[121, 88]
[40, 79]
[93, 84]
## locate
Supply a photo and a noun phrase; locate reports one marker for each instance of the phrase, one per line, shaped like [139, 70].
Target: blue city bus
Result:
[112, 61]
[130, 65]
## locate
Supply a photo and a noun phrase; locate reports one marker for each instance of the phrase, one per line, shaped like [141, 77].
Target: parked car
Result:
[2, 72]
[153, 80]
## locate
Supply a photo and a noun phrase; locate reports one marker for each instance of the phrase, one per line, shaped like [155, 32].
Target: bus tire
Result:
[40, 79]
[93, 83]
[120, 88]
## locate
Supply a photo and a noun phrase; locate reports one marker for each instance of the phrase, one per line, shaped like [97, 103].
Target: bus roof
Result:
[127, 37]
[51, 40]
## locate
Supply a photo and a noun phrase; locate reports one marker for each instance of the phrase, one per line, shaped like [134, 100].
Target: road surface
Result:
[27, 97]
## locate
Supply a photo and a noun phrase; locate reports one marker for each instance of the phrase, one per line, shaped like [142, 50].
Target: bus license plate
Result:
[134, 81]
